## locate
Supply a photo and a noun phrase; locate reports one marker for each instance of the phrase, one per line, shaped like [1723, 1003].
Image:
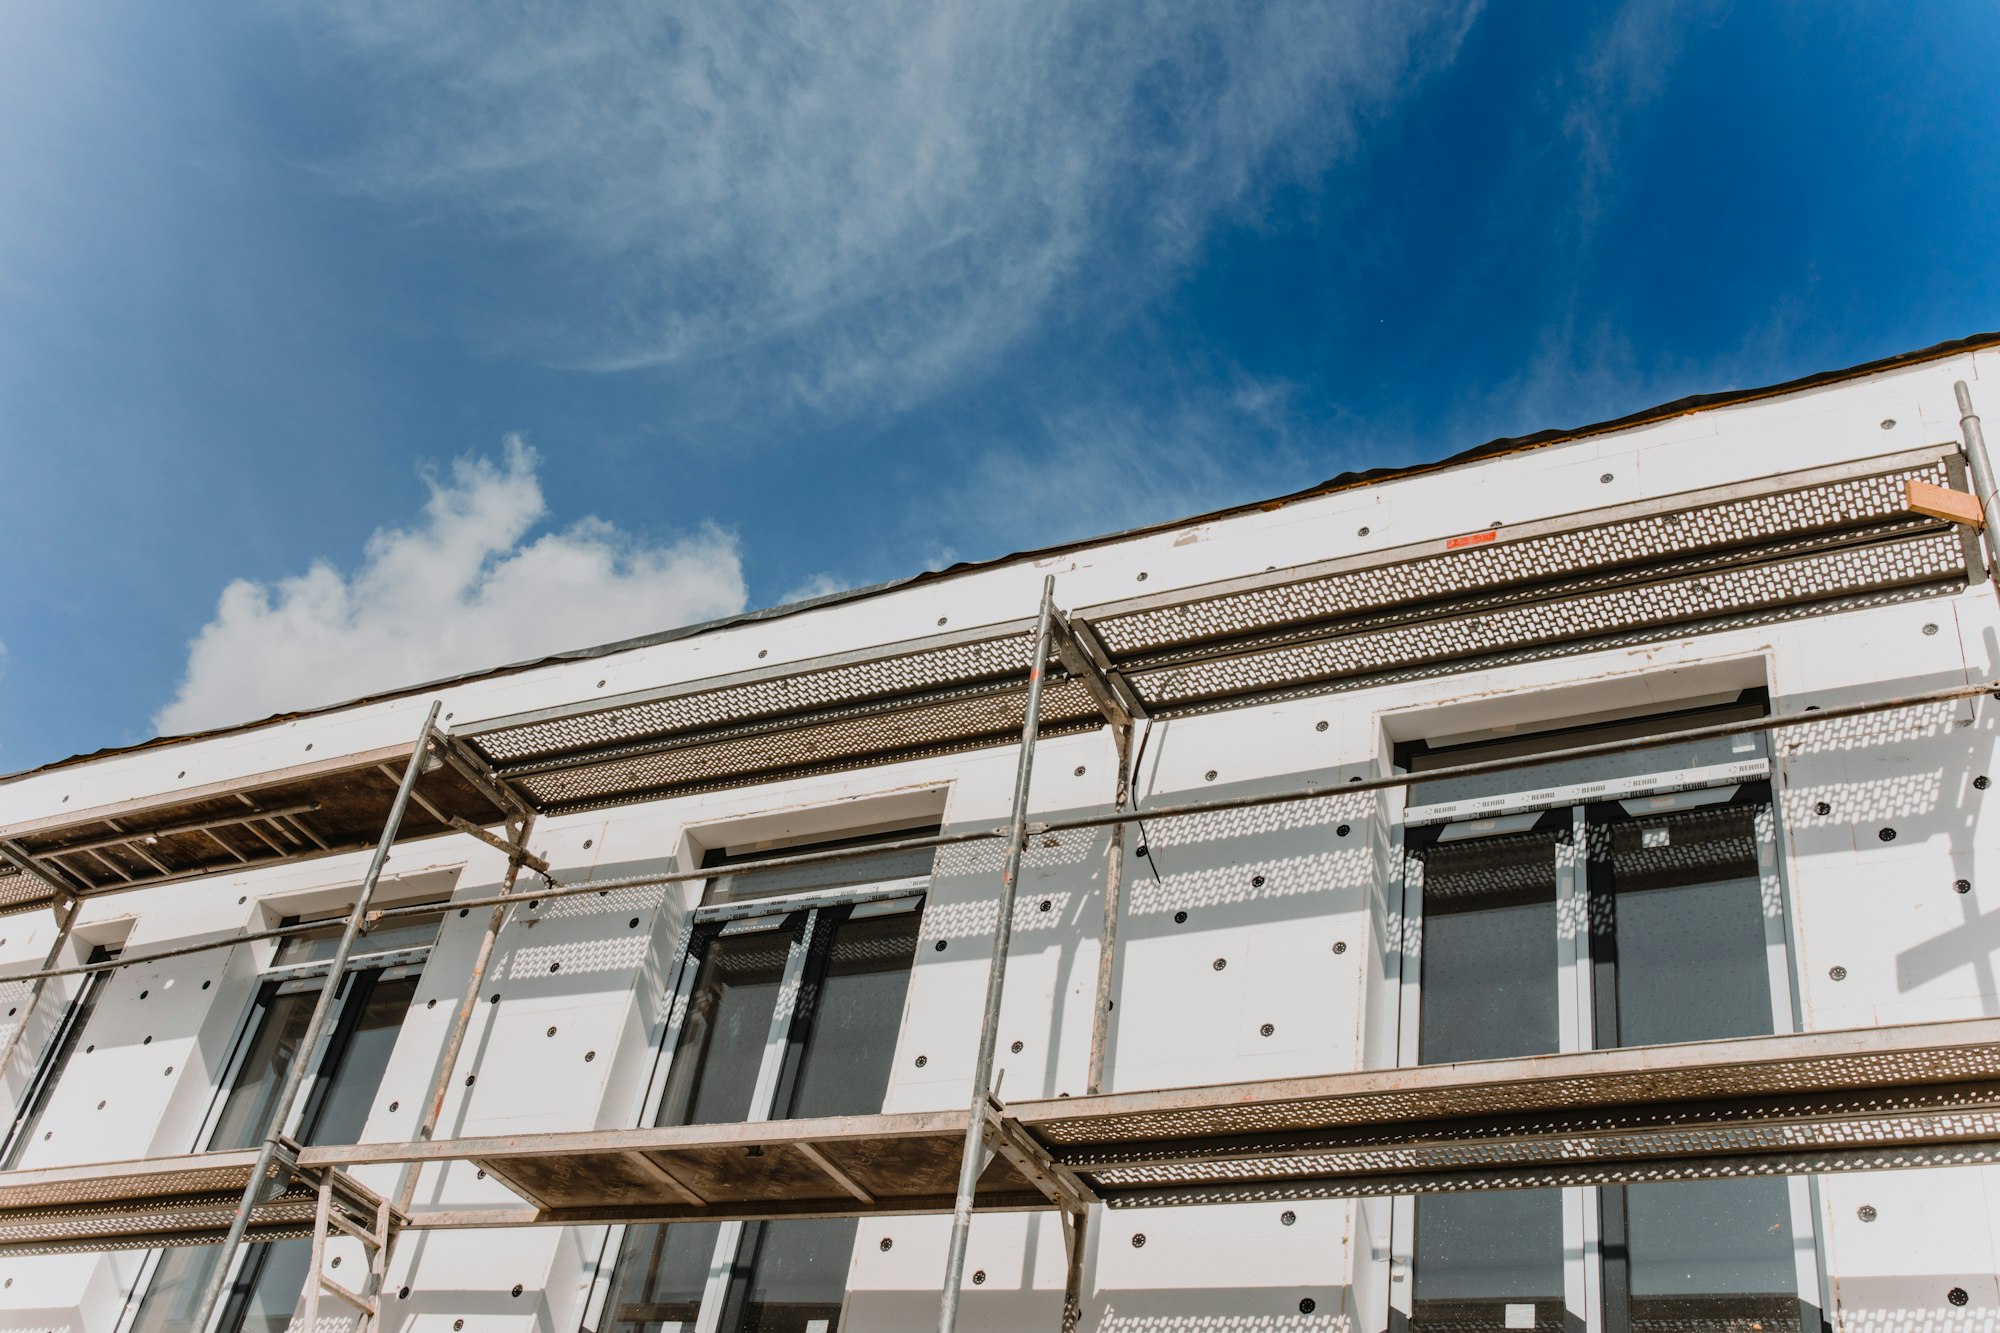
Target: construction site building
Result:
[1543, 889]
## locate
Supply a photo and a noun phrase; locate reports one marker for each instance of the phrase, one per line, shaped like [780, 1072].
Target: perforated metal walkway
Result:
[1786, 546]
[163, 1201]
[1924, 1095]
[1884, 1098]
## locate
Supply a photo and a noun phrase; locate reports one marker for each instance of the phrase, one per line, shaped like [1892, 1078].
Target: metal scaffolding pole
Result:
[284, 1111]
[65, 913]
[406, 1188]
[975, 1155]
[1107, 940]
[1981, 468]
[1076, 1235]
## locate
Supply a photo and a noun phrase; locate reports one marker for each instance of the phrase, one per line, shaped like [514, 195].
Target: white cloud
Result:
[469, 586]
[861, 198]
[817, 585]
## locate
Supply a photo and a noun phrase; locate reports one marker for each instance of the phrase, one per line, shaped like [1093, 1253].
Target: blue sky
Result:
[349, 343]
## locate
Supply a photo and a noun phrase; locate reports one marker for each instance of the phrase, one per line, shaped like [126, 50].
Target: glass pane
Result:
[877, 868]
[175, 1290]
[178, 1279]
[661, 1271]
[274, 1048]
[357, 1076]
[1489, 949]
[796, 1279]
[855, 1018]
[30, 1123]
[1712, 1255]
[1690, 927]
[798, 1276]
[728, 1021]
[276, 1275]
[318, 946]
[1488, 1261]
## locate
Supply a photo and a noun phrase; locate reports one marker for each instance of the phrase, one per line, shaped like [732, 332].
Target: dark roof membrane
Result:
[1345, 481]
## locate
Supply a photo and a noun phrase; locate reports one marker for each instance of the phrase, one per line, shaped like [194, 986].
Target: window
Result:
[375, 995]
[744, 1049]
[27, 1126]
[1555, 920]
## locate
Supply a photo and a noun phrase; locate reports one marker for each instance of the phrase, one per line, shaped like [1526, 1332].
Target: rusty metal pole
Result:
[974, 1159]
[1983, 485]
[283, 1111]
[65, 909]
[1107, 940]
[406, 1188]
[1076, 1234]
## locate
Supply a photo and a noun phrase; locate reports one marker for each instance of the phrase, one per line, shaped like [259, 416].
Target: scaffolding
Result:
[1810, 542]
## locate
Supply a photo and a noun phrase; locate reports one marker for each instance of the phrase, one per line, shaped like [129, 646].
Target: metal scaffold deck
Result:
[1789, 546]
[1869, 1099]
[168, 1201]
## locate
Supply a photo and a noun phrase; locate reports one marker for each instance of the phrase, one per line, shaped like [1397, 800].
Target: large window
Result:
[788, 1003]
[1550, 922]
[375, 995]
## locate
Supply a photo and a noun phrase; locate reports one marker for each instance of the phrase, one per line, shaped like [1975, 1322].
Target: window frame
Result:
[1594, 1286]
[813, 916]
[272, 981]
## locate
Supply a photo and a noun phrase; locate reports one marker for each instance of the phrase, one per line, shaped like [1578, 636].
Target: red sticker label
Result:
[1470, 539]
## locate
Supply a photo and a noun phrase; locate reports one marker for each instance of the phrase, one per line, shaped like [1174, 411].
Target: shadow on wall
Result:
[1263, 861]
[1884, 788]
[1221, 1310]
[1964, 1303]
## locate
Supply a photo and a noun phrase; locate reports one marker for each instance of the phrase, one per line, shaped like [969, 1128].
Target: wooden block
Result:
[1940, 502]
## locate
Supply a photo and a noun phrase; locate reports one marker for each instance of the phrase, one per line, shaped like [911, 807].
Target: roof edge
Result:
[1345, 481]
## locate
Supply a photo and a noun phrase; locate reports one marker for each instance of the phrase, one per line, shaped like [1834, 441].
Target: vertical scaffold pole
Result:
[65, 909]
[1981, 468]
[1076, 1236]
[284, 1110]
[406, 1188]
[1114, 892]
[974, 1160]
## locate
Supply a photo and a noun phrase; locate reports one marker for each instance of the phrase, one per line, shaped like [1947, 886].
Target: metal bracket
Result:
[514, 851]
[1084, 657]
[1060, 1185]
[461, 756]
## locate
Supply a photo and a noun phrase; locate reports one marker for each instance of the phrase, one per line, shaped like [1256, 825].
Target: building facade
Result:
[1504, 789]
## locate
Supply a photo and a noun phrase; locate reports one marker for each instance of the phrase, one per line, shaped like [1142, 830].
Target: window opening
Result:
[791, 1014]
[1488, 956]
[1679, 938]
[1489, 946]
[1685, 941]
[68, 1036]
[373, 1001]
[1678, 918]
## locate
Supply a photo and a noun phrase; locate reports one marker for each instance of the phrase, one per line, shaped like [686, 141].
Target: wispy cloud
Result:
[861, 198]
[1628, 67]
[1109, 465]
[469, 586]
